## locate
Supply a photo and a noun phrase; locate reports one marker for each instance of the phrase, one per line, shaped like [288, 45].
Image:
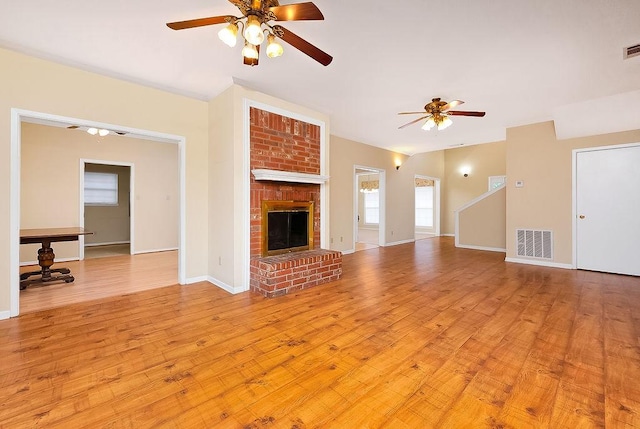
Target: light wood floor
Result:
[420, 335]
[100, 278]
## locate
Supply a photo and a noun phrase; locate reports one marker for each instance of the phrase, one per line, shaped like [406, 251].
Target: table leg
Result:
[46, 258]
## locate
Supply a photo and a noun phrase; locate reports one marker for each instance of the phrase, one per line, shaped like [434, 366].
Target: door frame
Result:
[131, 165]
[574, 192]
[20, 115]
[381, 203]
[436, 203]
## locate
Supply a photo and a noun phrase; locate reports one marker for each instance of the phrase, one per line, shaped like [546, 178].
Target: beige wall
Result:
[483, 224]
[544, 164]
[484, 160]
[400, 194]
[37, 85]
[58, 151]
[110, 224]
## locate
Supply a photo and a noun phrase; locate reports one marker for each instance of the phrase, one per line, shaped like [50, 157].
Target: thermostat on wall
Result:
[519, 183]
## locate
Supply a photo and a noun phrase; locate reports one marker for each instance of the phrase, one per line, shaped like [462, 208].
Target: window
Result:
[371, 207]
[100, 189]
[496, 181]
[424, 206]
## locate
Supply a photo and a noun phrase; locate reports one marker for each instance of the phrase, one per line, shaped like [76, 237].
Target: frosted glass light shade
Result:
[250, 51]
[229, 35]
[253, 31]
[274, 49]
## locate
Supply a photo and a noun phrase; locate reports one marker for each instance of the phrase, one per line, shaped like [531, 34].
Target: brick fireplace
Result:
[282, 144]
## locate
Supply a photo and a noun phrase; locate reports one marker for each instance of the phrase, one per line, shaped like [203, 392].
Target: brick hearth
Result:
[278, 275]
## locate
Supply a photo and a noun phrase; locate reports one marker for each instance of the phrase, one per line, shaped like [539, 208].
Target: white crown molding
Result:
[289, 176]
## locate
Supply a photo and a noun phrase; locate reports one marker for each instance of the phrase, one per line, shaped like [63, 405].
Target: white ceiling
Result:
[521, 61]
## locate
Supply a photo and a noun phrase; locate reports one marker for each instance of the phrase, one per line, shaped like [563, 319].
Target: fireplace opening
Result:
[287, 226]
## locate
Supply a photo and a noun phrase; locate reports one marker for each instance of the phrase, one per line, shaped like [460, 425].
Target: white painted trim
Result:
[396, 243]
[288, 176]
[225, 287]
[131, 165]
[5, 315]
[17, 116]
[574, 193]
[348, 252]
[447, 235]
[58, 260]
[246, 202]
[14, 215]
[167, 249]
[382, 186]
[109, 243]
[192, 280]
[490, 249]
[539, 263]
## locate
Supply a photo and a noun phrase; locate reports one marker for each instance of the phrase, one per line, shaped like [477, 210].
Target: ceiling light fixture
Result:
[253, 34]
[274, 49]
[439, 121]
[101, 132]
[229, 34]
[253, 31]
[249, 51]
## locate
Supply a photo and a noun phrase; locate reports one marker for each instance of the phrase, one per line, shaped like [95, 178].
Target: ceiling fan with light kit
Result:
[255, 22]
[437, 114]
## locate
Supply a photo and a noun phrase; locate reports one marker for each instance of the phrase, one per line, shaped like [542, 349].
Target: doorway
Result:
[606, 205]
[369, 208]
[427, 206]
[20, 117]
[106, 201]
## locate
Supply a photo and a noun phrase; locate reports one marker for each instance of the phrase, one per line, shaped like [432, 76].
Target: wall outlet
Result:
[519, 183]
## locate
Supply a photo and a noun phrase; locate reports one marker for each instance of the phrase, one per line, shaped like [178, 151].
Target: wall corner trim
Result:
[225, 287]
[5, 315]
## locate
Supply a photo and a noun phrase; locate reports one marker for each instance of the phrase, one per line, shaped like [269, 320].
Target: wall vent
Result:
[631, 51]
[534, 243]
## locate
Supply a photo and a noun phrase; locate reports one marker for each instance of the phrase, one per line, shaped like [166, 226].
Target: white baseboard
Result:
[348, 252]
[5, 315]
[489, 249]
[447, 235]
[540, 263]
[57, 261]
[222, 285]
[192, 280]
[396, 243]
[168, 249]
[110, 243]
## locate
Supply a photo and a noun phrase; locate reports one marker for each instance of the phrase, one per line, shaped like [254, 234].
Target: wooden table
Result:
[45, 236]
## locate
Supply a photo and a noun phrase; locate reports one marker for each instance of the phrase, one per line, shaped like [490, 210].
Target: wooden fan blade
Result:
[297, 12]
[304, 46]
[413, 122]
[200, 22]
[464, 113]
[252, 61]
[412, 113]
[451, 105]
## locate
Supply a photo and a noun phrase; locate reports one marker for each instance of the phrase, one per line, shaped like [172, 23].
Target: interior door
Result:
[608, 210]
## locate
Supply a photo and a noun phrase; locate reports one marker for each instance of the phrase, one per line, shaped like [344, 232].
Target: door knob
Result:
[581, 216]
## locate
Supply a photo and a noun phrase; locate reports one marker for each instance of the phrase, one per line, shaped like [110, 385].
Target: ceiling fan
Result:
[255, 15]
[437, 114]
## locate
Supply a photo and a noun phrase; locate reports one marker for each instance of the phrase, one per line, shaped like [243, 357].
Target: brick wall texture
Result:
[285, 144]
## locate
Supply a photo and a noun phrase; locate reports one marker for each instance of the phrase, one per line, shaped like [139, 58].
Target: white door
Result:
[608, 210]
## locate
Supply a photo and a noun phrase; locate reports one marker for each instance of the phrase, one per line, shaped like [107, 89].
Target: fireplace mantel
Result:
[289, 176]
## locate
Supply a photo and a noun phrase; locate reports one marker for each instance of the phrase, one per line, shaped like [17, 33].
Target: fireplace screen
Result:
[287, 226]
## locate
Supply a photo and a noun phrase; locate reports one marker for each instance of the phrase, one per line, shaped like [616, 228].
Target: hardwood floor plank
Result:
[417, 335]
